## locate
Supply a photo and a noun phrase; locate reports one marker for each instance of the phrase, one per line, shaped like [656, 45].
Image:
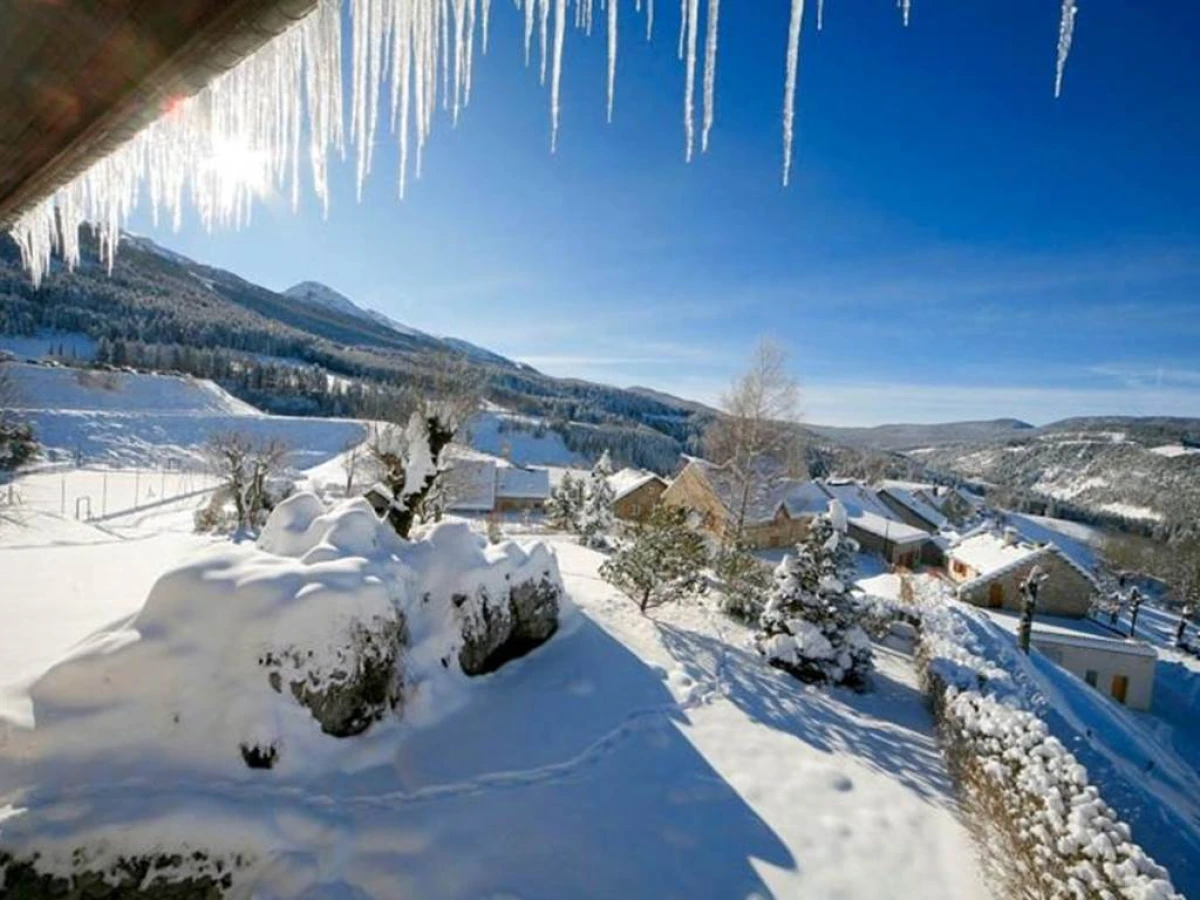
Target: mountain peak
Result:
[317, 294]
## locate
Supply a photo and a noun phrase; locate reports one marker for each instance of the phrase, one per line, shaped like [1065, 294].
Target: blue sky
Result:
[955, 243]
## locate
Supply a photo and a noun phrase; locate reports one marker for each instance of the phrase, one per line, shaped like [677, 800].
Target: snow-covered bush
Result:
[663, 560]
[1046, 832]
[596, 516]
[810, 625]
[259, 654]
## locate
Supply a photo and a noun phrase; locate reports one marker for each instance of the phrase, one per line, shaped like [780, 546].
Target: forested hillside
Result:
[160, 311]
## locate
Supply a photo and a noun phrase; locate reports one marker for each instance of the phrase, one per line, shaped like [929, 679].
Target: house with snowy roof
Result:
[635, 493]
[988, 567]
[778, 508]
[1121, 668]
[912, 504]
[479, 484]
[878, 529]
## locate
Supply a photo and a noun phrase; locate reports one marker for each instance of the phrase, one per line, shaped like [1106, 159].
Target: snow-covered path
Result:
[629, 757]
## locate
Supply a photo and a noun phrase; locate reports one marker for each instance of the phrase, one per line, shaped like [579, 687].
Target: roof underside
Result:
[78, 79]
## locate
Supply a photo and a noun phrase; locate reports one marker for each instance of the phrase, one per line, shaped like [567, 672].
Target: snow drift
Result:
[266, 654]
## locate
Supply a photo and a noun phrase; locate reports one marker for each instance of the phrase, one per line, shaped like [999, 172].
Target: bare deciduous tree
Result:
[757, 439]
[245, 467]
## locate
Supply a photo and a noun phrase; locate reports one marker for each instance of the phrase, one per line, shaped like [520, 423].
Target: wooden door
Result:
[996, 595]
[1120, 684]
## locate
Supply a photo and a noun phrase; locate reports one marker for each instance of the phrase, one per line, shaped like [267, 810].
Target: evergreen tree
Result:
[596, 516]
[663, 561]
[565, 504]
[809, 626]
[745, 582]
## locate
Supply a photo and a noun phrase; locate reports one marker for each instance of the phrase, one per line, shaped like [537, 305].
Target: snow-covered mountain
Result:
[316, 294]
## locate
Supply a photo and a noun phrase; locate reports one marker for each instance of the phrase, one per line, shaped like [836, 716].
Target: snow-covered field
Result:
[629, 756]
[155, 421]
[521, 439]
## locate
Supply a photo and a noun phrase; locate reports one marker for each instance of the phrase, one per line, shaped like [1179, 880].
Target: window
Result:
[1091, 677]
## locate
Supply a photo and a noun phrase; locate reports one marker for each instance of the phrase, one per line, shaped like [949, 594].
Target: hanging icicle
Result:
[789, 86]
[710, 71]
[1066, 31]
[241, 137]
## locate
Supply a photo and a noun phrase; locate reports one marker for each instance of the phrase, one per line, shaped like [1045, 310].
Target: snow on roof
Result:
[1091, 642]
[514, 482]
[992, 555]
[915, 501]
[857, 498]
[471, 485]
[629, 480]
[767, 493]
[806, 499]
[989, 553]
[889, 529]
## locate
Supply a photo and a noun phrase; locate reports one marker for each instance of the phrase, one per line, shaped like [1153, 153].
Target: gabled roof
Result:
[471, 485]
[628, 480]
[768, 493]
[916, 502]
[517, 483]
[889, 529]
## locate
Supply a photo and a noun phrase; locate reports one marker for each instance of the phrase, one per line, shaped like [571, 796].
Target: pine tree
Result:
[596, 516]
[809, 626]
[565, 503]
[663, 561]
[745, 582]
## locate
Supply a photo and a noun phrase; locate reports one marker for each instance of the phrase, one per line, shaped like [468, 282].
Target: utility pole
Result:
[1029, 593]
[1135, 603]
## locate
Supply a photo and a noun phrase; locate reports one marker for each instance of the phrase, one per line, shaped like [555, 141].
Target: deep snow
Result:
[629, 756]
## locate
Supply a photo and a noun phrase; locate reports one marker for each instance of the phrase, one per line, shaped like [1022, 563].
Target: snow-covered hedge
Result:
[1045, 830]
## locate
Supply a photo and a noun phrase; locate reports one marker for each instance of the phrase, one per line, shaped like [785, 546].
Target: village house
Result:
[1122, 669]
[777, 511]
[878, 529]
[988, 567]
[480, 484]
[635, 493]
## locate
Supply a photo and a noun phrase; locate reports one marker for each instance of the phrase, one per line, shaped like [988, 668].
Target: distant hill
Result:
[910, 437]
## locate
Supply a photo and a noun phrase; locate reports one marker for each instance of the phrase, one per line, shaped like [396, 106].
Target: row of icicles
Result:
[420, 51]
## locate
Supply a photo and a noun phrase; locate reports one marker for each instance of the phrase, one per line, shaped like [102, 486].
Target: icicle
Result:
[560, 29]
[1066, 31]
[487, 23]
[905, 9]
[545, 18]
[789, 89]
[612, 55]
[529, 11]
[683, 25]
[689, 91]
[710, 70]
[649, 19]
[820, 15]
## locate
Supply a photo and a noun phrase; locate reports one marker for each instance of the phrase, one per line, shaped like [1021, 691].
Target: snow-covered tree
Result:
[17, 443]
[663, 561]
[596, 517]
[810, 626]
[566, 503]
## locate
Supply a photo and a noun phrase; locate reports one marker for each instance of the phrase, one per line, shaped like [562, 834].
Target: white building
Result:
[1121, 669]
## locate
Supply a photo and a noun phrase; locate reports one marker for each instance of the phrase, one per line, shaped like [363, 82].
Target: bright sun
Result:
[237, 167]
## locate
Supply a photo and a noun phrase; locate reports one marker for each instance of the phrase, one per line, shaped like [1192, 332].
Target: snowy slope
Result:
[521, 439]
[628, 757]
[126, 419]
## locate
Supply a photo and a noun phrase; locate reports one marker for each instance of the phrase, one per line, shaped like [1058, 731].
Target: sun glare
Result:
[237, 167]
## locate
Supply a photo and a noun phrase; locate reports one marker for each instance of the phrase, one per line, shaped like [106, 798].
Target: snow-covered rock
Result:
[326, 626]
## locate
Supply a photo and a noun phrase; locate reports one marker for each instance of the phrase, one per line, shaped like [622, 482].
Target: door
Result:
[996, 595]
[1120, 684]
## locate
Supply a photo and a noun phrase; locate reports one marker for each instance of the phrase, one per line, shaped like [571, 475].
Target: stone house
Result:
[778, 512]
[482, 485]
[1121, 669]
[635, 493]
[911, 502]
[988, 568]
[880, 530]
